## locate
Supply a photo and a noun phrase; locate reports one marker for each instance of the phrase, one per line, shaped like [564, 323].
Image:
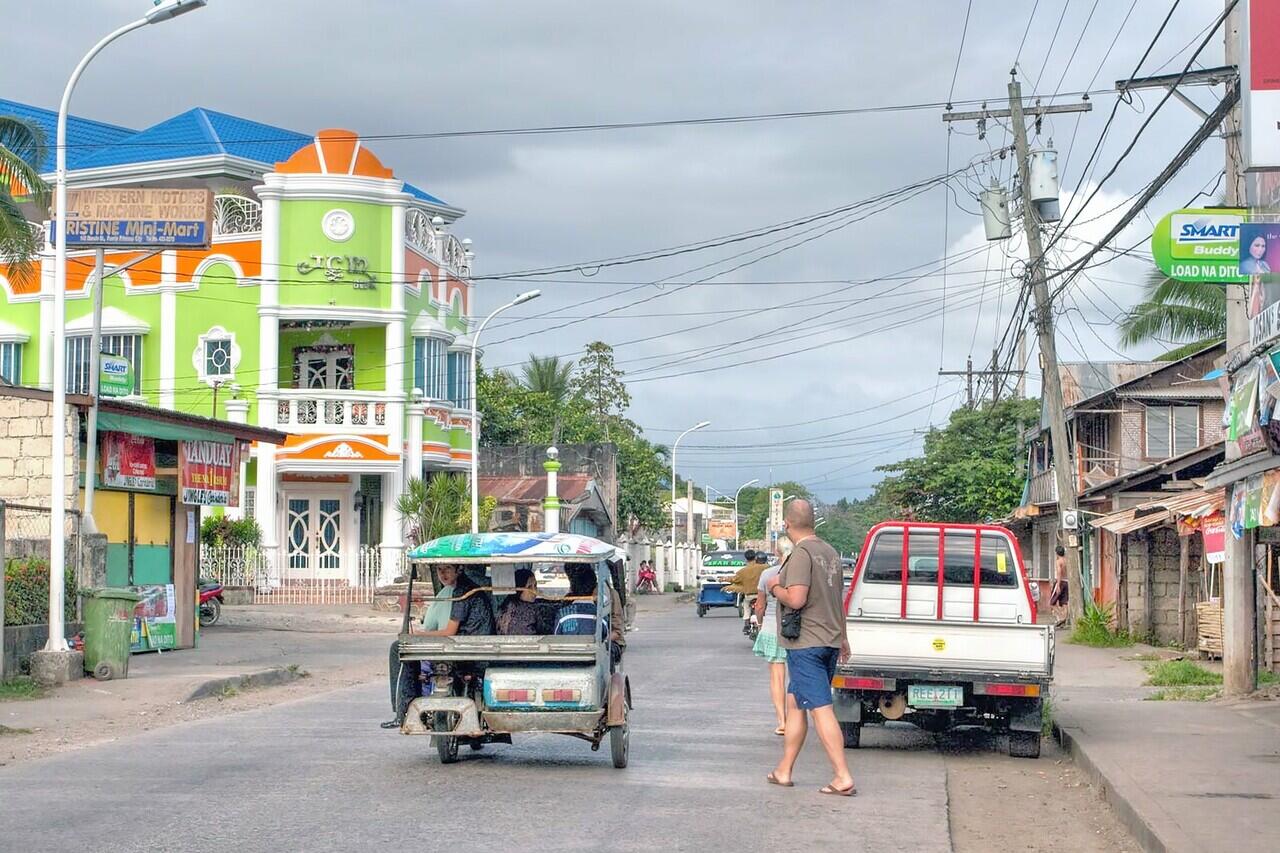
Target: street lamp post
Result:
[736, 531]
[674, 445]
[57, 642]
[475, 394]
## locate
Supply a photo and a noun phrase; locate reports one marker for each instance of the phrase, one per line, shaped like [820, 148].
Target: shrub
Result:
[1180, 673]
[1094, 629]
[26, 592]
[220, 530]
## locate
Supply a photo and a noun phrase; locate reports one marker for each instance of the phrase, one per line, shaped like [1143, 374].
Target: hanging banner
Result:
[1214, 530]
[207, 472]
[155, 622]
[128, 461]
[1260, 84]
[775, 511]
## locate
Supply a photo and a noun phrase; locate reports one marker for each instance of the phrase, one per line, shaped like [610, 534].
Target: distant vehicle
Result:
[718, 569]
[942, 630]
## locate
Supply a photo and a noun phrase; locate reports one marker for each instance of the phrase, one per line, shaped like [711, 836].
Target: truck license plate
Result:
[935, 696]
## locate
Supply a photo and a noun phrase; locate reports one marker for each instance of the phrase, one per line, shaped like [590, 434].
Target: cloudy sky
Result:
[813, 350]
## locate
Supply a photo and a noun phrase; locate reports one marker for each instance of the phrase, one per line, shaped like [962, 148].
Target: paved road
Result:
[318, 774]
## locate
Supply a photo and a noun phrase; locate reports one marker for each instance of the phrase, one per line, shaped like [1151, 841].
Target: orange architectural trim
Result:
[337, 448]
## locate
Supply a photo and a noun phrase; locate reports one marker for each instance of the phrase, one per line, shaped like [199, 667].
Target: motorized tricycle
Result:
[485, 689]
[718, 569]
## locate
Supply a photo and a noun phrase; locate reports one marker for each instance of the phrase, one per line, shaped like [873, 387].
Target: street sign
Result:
[115, 376]
[1200, 244]
[706, 539]
[137, 217]
[775, 510]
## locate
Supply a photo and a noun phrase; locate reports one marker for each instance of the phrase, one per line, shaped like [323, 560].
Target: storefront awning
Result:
[1195, 504]
[121, 416]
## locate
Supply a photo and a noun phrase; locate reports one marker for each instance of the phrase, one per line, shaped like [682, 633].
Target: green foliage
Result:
[1194, 312]
[1180, 673]
[515, 413]
[26, 592]
[1094, 629]
[220, 530]
[971, 468]
[440, 506]
[1184, 694]
[548, 375]
[20, 687]
[753, 504]
[22, 152]
[1266, 678]
[849, 520]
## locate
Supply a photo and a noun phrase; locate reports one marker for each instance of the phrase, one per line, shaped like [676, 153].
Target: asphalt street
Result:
[318, 774]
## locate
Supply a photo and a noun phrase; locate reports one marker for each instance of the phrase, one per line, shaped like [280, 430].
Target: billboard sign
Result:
[115, 376]
[775, 510]
[208, 472]
[1199, 244]
[722, 528]
[1260, 84]
[128, 461]
[137, 217]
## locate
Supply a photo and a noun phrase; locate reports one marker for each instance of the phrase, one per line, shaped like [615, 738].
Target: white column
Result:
[660, 565]
[392, 544]
[413, 452]
[238, 412]
[168, 347]
[46, 322]
[268, 302]
[264, 511]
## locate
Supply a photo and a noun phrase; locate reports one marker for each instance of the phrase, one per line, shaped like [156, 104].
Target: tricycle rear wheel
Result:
[702, 610]
[620, 745]
[446, 747]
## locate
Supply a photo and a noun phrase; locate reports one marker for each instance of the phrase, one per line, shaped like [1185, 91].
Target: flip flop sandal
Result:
[839, 792]
[779, 731]
[773, 780]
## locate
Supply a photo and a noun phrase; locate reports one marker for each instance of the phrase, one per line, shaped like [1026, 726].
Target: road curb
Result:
[245, 681]
[1141, 829]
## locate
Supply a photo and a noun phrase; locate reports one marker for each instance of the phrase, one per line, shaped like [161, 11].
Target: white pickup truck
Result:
[942, 633]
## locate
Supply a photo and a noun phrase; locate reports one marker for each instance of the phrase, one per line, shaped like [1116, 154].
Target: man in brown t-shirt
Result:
[811, 582]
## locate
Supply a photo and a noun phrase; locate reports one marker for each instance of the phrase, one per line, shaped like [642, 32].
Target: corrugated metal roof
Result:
[85, 137]
[1189, 391]
[532, 489]
[1197, 503]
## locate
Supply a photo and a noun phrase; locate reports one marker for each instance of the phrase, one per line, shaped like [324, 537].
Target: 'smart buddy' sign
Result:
[139, 217]
[1200, 244]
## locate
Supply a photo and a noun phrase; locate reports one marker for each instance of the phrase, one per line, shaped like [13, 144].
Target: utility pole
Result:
[969, 374]
[1051, 382]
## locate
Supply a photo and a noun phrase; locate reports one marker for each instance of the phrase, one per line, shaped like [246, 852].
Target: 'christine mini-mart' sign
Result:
[137, 217]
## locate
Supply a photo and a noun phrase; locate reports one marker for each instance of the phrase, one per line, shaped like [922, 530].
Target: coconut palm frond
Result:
[549, 375]
[22, 151]
[1178, 311]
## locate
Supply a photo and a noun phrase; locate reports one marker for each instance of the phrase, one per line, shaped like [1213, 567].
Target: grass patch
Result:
[20, 687]
[228, 691]
[298, 671]
[1185, 693]
[1046, 717]
[1094, 629]
[1181, 673]
[10, 730]
[1267, 678]
[1145, 656]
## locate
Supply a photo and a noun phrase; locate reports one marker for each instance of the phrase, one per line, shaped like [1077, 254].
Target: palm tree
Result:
[435, 507]
[1191, 312]
[22, 151]
[549, 375]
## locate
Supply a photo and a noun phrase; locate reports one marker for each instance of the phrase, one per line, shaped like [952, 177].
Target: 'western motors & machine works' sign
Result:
[1200, 244]
[139, 217]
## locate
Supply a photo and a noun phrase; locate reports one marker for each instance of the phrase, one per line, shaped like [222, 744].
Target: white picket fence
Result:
[272, 582]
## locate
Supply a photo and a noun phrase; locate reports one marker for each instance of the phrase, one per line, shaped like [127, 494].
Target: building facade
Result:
[332, 305]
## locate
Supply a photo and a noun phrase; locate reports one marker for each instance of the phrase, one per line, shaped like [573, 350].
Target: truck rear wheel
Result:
[1024, 744]
[852, 733]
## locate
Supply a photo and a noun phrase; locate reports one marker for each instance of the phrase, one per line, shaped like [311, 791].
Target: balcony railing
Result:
[1044, 489]
[421, 233]
[235, 215]
[301, 410]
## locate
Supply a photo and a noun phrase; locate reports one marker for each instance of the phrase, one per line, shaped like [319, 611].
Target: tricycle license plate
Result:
[935, 696]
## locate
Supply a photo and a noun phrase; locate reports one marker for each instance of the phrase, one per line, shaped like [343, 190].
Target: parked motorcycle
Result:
[210, 602]
[647, 579]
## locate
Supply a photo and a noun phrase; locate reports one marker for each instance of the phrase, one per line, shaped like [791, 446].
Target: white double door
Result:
[317, 527]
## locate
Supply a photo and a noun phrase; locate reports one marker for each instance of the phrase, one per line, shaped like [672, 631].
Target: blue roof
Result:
[196, 133]
[85, 137]
[201, 133]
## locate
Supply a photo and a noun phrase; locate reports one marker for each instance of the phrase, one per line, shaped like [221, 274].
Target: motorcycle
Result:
[647, 581]
[210, 602]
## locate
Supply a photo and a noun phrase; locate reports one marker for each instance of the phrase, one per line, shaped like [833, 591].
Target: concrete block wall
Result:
[26, 443]
[1152, 570]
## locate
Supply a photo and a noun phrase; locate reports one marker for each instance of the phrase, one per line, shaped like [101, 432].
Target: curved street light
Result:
[475, 394]
[674, 445]
[736, 531]
[160, 12]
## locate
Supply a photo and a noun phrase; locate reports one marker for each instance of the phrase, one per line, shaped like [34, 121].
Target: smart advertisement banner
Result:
[155, 623]
[1200, 244]
[128, 461]
[208, 472]
[115, 376]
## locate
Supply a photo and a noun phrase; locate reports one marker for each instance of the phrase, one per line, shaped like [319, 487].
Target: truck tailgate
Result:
[934, 645]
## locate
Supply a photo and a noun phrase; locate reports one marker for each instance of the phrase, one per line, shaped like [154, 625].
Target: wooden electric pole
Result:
[1050, 382]
[997, 378]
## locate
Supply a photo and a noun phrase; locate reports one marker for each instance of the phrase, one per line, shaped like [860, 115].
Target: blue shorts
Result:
[811, 672]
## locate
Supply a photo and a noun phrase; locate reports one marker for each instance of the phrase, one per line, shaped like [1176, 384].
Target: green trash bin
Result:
[108, 623]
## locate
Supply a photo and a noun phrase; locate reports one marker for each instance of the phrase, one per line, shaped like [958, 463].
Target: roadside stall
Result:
[156, 470]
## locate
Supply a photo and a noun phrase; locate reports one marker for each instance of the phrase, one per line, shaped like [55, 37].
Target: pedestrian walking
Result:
[1058, 598]
[812, 630]
[766, 646]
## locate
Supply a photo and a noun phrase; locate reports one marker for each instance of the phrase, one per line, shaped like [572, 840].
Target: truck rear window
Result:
[884, 563]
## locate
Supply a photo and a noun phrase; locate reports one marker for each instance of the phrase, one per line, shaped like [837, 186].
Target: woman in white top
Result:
[767, 641]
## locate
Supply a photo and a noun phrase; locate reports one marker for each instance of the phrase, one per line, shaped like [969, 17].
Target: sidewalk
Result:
[334, 647]
[1182, 776]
